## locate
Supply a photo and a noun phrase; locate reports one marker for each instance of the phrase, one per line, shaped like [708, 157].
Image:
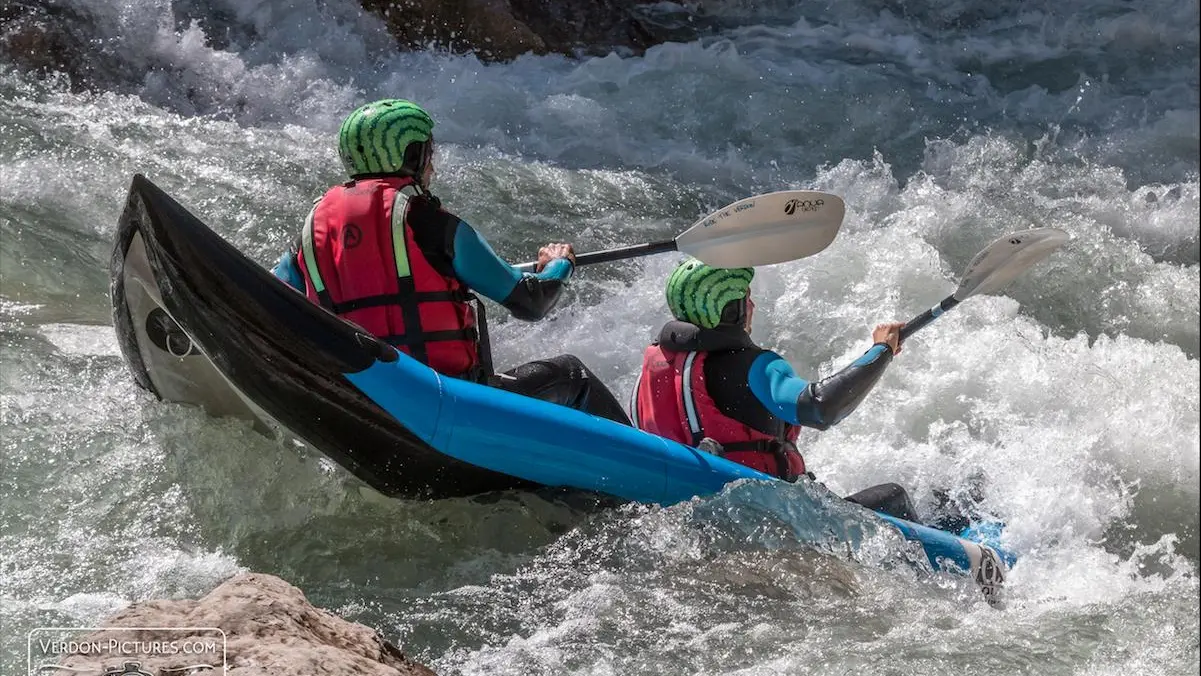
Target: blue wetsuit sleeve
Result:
[815, 404]
[526, 296]
[288, 270]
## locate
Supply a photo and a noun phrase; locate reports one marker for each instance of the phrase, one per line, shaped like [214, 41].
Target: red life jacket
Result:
[672, 400]
[361, 262]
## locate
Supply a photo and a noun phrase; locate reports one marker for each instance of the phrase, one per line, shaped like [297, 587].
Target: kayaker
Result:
[705, 383]
[380, 251]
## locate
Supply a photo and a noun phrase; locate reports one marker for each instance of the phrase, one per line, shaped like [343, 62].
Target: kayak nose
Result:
[262, 342]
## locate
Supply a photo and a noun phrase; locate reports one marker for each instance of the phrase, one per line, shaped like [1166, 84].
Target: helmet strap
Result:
[734, 313]
[417, 157]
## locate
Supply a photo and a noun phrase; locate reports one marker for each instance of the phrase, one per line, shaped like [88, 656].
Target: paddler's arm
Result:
[526, 296]
[288, 270]
[818, 404]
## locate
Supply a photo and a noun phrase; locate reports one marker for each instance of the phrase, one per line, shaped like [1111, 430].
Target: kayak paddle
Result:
[761, 230]
[995, 266]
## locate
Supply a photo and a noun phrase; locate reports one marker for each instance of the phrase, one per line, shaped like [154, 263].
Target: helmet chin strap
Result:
[418, 173]
[734, 313]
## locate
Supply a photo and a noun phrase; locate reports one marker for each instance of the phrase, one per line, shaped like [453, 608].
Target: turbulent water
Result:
[943, 126]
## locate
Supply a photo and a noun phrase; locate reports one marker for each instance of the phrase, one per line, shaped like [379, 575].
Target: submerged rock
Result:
[504, 29]
[270, 630]
[62, 36]
[52, 36]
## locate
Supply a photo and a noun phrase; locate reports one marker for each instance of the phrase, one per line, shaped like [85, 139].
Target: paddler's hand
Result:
[550, 252]
[890, 335]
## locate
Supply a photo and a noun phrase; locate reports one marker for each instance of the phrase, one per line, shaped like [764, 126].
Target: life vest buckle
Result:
[711, 446]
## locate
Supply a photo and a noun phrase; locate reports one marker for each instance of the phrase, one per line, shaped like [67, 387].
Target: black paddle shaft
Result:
[928, 316]
[624, 252]
[620, 253]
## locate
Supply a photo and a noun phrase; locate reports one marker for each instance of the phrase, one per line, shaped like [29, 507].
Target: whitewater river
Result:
[942, 125]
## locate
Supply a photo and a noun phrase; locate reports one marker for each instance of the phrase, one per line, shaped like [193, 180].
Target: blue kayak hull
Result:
[550, 445]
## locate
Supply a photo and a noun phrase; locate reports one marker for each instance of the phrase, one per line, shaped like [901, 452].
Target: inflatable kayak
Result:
[200, 323]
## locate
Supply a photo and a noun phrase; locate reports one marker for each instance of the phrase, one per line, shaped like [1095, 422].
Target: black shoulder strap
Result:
[485, 342]
[406, 290]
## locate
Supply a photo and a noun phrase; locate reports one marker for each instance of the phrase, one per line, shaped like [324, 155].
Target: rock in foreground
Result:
[270, 630]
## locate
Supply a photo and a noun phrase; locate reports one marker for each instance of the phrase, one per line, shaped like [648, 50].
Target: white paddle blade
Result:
[765, 229]
[1006, 258]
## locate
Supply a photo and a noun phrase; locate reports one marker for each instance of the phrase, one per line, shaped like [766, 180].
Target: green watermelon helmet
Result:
[376, 138]
[698, 293]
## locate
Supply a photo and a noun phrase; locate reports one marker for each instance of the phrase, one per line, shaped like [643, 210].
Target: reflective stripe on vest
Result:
[310, 258]
[690, 414]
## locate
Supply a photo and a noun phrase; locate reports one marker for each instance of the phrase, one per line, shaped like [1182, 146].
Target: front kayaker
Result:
[380, 251]
[706, 384]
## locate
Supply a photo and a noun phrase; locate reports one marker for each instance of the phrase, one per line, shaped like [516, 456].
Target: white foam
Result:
[82, 340]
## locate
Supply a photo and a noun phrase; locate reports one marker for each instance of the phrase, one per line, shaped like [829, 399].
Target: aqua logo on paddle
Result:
[792, 206]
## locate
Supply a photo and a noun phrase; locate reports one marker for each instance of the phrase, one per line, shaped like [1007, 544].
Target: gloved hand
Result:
[550, 252]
